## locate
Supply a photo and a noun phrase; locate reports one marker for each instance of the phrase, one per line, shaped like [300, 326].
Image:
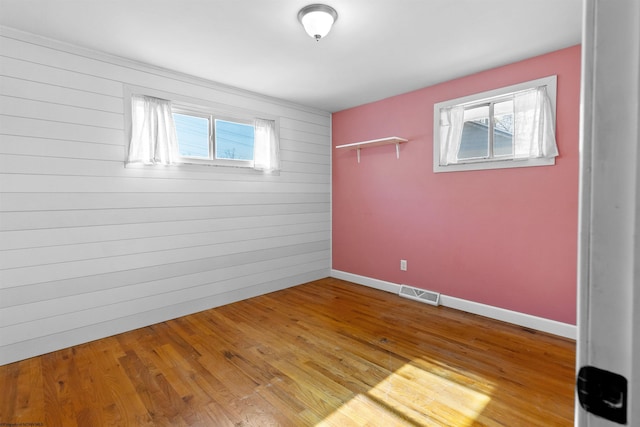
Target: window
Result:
[173, 132]
[206, 138]
[487, 131]
[503, 128]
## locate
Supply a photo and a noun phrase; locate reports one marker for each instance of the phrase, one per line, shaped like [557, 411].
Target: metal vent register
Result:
[421, 295]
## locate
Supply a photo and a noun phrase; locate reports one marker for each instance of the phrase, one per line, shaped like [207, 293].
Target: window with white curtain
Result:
[153, 134]
[508, 127]
[166, 132]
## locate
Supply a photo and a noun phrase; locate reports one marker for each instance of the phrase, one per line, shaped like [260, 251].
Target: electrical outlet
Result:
[403, 264]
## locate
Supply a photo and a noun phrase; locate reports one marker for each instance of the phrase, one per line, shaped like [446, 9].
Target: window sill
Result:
[218, 163]
[495, 164]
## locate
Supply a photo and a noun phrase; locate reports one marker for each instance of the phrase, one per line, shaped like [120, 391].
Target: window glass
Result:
[475, 134]
[503, 129]
[234, 141]
[231, 140]
[193, 135]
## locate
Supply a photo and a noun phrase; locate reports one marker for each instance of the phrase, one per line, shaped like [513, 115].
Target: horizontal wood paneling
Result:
[66, 270]
[301, 125]
[89, 247]
[18, 258]
[49, 111]
[302, 136]
[33, 238]
[290, 145]
[68, 78]
[46, 148]
[75, 218]
[19, 183]
[20, 88]
[65, 166]
[83, 201]
[57, 158]
[302, 157]
[26, 126]
[305, 167]
[44, 291]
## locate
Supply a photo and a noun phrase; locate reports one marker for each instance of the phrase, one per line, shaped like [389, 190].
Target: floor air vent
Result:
[421, 295]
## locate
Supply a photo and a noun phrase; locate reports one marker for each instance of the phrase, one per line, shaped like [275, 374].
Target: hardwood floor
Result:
[324, 353]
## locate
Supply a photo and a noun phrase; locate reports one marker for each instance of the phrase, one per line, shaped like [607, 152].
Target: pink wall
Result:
[505, 238]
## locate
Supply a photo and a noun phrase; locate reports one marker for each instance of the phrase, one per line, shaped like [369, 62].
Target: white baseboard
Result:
[526, 320]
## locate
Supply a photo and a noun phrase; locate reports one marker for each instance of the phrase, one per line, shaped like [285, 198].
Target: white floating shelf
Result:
[375, 142]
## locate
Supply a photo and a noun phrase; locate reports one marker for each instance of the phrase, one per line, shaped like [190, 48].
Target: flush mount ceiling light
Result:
[317, 19]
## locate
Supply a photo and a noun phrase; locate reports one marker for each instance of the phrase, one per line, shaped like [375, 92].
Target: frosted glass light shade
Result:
[317, 19]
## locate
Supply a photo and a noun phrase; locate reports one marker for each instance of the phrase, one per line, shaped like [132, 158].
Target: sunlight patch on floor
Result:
[364, 410]
[412, 396]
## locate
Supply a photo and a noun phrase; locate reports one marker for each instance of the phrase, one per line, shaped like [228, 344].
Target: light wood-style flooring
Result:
[324, 353]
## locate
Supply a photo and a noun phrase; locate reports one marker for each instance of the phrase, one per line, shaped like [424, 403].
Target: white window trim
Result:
[197, 107]
[550, 82]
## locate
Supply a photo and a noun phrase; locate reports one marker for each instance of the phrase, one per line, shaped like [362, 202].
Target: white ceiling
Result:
[377, 48]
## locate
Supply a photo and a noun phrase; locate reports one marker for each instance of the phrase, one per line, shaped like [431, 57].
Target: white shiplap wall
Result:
[89, 248]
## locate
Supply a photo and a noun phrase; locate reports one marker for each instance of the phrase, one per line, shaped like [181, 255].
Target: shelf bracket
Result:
[397, 150]
[358, 151]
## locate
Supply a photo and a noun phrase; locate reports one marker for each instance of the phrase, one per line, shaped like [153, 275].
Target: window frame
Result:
[491, 128]
[484, 98]
[229, 119]
[200, 108]
[178, 108]
[191, 112]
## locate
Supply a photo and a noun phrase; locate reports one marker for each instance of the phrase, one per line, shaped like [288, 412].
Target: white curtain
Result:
[153, 133]
[451, 124]
[534, 130]
[266, 147]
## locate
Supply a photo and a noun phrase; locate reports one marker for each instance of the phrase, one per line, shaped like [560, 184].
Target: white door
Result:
[609, 247]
